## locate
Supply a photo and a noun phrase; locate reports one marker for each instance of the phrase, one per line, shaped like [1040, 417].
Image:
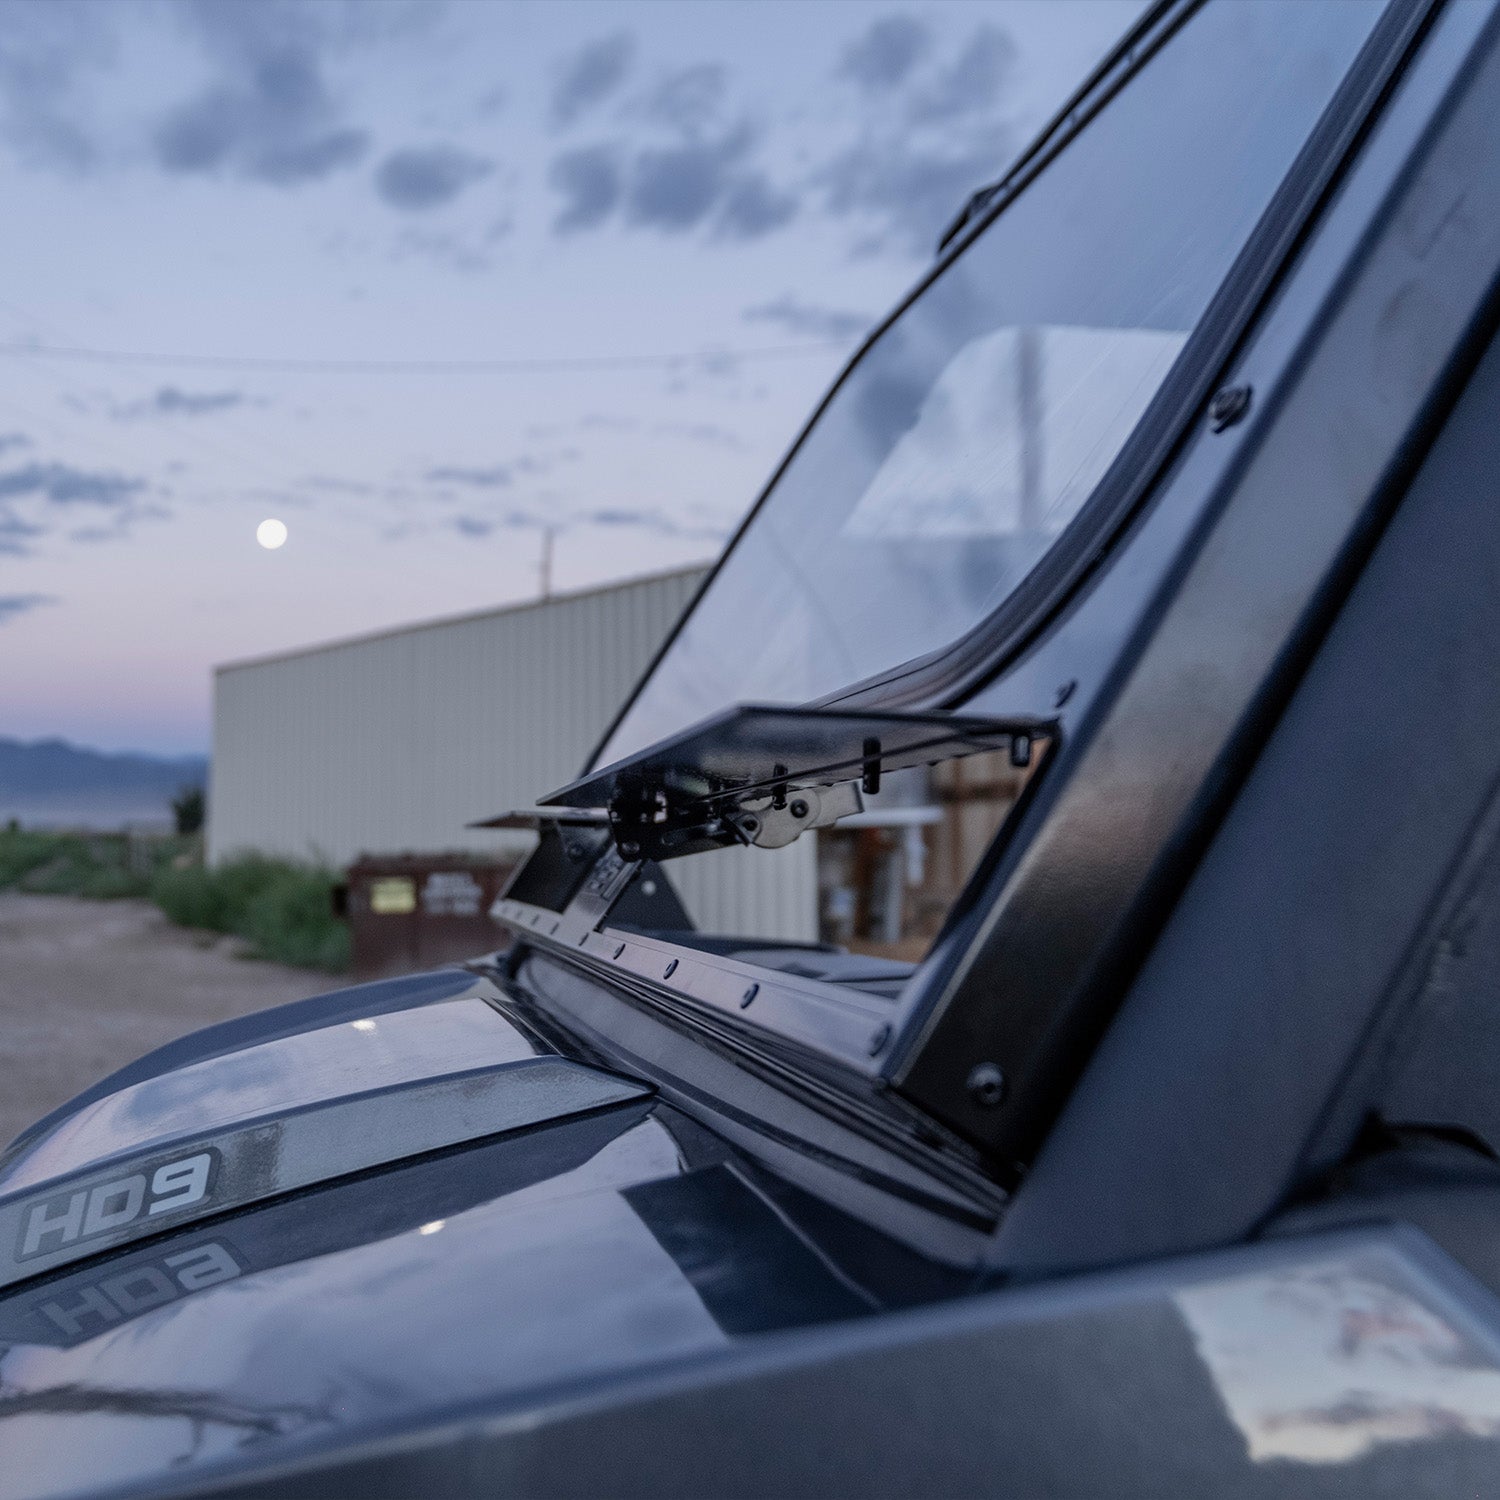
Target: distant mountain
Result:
[52, 784]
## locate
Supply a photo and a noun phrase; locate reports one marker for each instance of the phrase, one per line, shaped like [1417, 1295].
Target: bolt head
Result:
[986, 1085]
[799, 808]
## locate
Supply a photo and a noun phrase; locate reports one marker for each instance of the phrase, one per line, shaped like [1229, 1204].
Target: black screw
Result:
[629, 850]
[670, 970]
[986, 1085]
[750, 825]
[748, 996]
[799, 808]
[880, 1037]
[1228, 406]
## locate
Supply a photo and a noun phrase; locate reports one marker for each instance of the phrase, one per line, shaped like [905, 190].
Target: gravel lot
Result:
[85, 986]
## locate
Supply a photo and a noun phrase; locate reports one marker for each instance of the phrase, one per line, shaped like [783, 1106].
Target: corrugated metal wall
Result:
[395, 742]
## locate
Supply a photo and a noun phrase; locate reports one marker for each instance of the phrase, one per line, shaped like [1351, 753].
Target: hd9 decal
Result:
[70, 1309]
[69, 1218]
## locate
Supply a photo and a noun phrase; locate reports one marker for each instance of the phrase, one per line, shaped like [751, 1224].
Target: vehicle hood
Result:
[353, 1225]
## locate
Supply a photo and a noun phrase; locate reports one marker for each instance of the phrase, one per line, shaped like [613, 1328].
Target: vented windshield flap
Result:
[732, 778]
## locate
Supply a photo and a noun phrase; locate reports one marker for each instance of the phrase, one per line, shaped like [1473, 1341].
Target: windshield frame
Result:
[809, 1036]
[1160, 21]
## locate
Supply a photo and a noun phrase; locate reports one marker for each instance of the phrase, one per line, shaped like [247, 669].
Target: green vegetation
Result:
[282, 910]
[189, 807]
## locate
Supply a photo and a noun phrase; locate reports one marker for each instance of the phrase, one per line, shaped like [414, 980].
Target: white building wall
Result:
[394, 742]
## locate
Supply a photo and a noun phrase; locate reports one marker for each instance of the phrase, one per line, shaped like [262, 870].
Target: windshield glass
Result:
[974, 429]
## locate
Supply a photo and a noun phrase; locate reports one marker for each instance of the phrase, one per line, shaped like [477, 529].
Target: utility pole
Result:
[549, 535]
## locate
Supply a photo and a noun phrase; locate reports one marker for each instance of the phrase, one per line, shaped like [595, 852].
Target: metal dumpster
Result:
[411, 911]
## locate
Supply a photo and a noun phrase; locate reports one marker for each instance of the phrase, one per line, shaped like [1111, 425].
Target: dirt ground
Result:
[85, 986]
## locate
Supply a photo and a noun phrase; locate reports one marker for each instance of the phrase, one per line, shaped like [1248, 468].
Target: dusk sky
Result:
[227, 221]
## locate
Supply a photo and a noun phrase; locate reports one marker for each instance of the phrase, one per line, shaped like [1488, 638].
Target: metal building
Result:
[395, 741]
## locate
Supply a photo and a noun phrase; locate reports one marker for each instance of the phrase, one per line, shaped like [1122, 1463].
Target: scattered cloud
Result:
[463, 250]
[753, 207]
[16, 534]
[418, 178]
[708, 433]
[45, 53]
[10, 440]
[689, 99]
[972, 83]
[62, 484]
[267, 114]
[588, 181]
[12, 605]
[647, 518]
[495, 477]
[674, 189]
[934, 135]
[788, 312]
[168, 401]
[882, 57]
[589, 75]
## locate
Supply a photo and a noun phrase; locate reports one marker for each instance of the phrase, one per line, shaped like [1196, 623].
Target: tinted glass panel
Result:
[973, 431]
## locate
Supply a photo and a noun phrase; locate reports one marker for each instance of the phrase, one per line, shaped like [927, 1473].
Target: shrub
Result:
[284, 911]
[103, 866]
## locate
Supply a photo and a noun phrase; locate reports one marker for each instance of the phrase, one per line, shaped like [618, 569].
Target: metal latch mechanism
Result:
[764, 774]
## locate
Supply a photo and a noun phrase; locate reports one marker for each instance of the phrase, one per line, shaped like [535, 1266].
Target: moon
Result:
[271, 533]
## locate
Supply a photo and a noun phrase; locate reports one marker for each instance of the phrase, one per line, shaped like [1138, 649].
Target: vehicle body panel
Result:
[612, 1213]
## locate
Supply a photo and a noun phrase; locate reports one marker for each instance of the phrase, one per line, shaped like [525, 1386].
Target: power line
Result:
[526, 366]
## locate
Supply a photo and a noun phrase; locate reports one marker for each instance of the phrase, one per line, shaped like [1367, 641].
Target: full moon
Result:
[271, 533]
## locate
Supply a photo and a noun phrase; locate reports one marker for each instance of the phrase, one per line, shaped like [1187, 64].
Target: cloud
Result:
[689, 99]
[708, 433]
[675, 188]
[15, 534]
[418, 178]
[753, 207]
[12, 605]
[590, 75]
[268, 115]
[588, 180]
[62, 484]
[645, 518]
[461, 250]
[883, 56]
[805, 318]
[497, 476]
[973, 82]
[44, 51]
[687, 169]
[13, 440]
[168, 401]
[923, 147]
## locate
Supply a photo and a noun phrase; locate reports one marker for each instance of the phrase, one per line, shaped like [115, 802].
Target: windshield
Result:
[971, 433]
